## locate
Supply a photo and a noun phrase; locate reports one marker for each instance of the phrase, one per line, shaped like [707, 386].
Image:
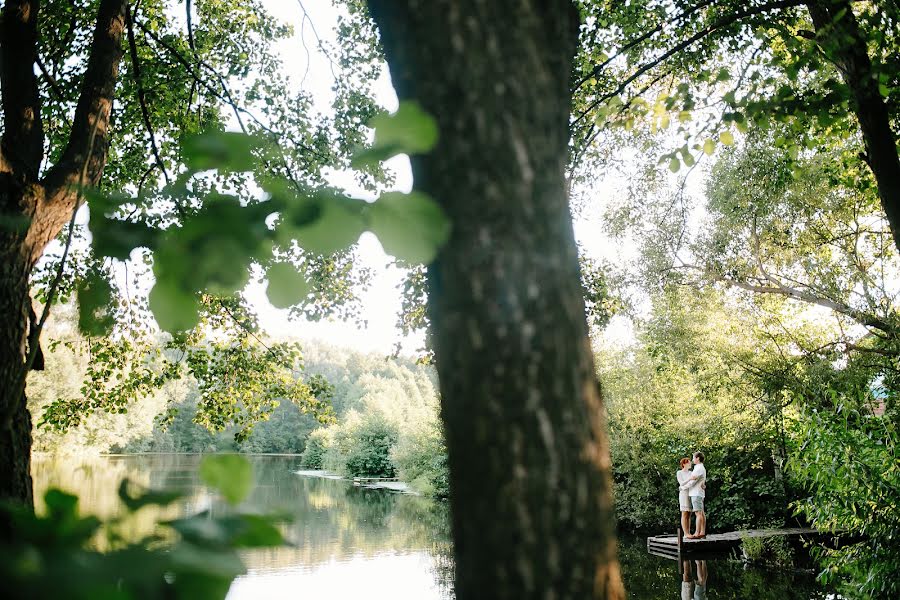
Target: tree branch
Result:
[93, 110]
[22, 145]
[141, 94]
[686, 43]
[788, 292]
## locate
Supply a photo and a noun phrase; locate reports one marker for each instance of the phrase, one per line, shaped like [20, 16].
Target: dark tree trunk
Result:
[34, 209]
[530, 476]
[840, 38]
[15, 420]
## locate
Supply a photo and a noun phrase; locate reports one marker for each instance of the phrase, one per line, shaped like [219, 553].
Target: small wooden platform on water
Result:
[717, 544]
[371, 480]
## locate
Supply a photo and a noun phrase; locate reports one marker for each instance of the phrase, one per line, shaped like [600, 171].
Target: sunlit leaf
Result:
[727, 138]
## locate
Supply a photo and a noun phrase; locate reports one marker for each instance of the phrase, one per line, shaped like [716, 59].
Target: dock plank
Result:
[717, 543]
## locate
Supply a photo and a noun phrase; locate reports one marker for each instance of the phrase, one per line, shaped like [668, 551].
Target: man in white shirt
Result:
[696, 487]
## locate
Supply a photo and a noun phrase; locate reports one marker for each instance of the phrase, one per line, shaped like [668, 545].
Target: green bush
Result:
[369, 452]
[421, 459]
[775, 551]
[360, 446]
[317, 445]
[849, 461]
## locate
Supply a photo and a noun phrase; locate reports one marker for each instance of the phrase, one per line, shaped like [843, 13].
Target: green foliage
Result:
[56, 554]
[849, 461]
[317, 445]
[361, 446]
[225, 236]
[421, 459]
[410, 130]
[239, 379]
[286, 286]
[679, 390]
[410, 226]
[368, 449]
[775, 551]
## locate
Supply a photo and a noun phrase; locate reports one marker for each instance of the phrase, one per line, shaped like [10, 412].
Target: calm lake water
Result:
[358, 543]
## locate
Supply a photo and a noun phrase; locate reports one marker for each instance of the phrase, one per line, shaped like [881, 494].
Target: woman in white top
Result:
[684, 502]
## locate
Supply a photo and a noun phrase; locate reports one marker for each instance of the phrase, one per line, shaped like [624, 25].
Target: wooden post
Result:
[679, 533]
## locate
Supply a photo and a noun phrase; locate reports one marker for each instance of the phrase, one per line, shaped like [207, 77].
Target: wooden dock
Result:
[717, 544]
[371, 480]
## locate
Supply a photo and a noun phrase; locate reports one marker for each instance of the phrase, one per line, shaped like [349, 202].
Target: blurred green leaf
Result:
[135, 496]
[411, 226]
[328, 223]
[61, 505]
[116, 239]
[223, 150]
[96, 314]
[174, 308]
[287, 286]
[230, 474]
[410, 130]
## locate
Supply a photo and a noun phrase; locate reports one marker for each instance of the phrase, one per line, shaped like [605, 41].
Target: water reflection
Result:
[348, 542]
[359, 543]
[693, 583]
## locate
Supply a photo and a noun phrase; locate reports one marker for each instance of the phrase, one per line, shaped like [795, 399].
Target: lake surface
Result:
[358, 543]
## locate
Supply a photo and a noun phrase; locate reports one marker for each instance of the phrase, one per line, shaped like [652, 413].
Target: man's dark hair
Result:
[698, 456]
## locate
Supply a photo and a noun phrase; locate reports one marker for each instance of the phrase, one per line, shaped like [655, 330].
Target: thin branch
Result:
[141, 94]
[686, 43]
[189, 17]
[58, 94]
[641, 38]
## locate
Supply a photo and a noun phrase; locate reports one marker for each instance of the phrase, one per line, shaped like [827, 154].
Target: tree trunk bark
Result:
[15, 420]
[531, 490]
[841, 40]
[33, 211]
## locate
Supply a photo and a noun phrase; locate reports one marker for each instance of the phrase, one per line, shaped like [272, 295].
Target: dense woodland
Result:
[740, 157]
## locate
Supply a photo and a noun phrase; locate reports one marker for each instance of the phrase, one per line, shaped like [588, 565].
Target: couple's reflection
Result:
[693, 580]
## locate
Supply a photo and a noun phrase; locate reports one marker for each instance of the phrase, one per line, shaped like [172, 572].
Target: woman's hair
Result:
[683, 462]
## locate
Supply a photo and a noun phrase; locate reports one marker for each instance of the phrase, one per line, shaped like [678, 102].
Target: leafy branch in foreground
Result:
[61, 553]
[212, 249]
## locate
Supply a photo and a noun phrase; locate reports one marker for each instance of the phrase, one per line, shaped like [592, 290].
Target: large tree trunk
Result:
[841, 40]
[529, 460]
[34, 209]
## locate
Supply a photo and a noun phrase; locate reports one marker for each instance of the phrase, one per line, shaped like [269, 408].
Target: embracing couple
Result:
[692, 491]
